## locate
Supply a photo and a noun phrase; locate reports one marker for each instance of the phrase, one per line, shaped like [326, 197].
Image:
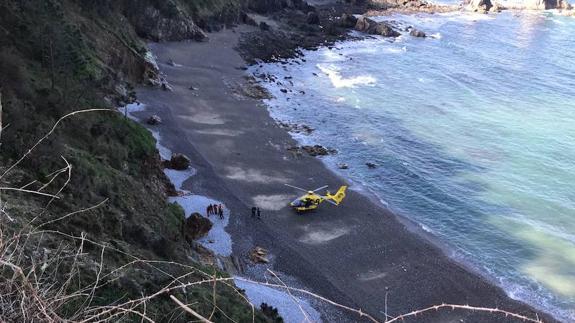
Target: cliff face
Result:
[59, 56]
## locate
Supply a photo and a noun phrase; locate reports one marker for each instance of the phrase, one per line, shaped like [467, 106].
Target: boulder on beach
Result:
[178, 162]
[154, 120]
[417, 33]
[258, 255]
[196, 226]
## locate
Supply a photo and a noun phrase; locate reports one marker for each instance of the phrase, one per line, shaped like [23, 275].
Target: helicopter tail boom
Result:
[338, 196]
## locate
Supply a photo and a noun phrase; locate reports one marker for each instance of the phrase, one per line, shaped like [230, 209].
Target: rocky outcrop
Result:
[372, 27]
[196, 226]
[150, 23]
[347, 21]
[314, 151]
[178, 162]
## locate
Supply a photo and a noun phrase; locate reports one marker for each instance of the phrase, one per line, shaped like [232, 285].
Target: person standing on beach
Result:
[221, 211]
[209, 210]
[259, 214]
[253, 211]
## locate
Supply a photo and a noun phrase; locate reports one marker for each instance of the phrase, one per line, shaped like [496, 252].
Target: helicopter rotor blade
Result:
[297, 188]
[325, 198]
[321, 188]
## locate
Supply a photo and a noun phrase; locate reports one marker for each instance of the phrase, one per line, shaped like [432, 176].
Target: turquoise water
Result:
[473, 132]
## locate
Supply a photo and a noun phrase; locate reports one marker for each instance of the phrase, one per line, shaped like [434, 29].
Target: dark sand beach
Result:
[358, 254]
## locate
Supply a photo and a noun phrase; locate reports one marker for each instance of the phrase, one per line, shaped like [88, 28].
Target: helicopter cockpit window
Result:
[297, 202]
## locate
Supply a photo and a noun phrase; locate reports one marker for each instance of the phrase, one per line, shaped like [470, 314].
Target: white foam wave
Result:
[339, 82]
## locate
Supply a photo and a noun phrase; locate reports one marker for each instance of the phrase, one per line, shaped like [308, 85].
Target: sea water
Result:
[473, 133]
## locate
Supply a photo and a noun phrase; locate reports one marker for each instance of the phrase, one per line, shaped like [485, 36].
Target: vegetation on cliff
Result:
[86, 206]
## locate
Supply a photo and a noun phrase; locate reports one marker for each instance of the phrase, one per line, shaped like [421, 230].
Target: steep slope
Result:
[59, 56]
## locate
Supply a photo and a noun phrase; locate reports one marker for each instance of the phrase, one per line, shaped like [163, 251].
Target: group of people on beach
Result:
[256, 211]
[215, 209]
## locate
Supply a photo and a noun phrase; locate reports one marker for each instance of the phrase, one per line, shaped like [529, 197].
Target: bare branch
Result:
[189, 310]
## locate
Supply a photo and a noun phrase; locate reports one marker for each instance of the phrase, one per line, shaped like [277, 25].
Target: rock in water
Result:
[312, 18]
[196, 226]
[417, 33]
[385, 30]
[363, 24]
[343, 166]
[178, 162]
[369, 26]
[318, 150]
[154, 120]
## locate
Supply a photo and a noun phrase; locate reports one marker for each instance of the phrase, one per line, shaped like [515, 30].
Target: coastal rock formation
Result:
[150, 23]
[372, 27]
[196, 226]
[347, 21]
[178, 162]
[314, 151]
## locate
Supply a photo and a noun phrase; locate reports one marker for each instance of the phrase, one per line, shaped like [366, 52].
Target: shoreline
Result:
[207, 120]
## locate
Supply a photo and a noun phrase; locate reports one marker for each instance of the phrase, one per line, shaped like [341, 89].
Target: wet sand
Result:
[358, 254]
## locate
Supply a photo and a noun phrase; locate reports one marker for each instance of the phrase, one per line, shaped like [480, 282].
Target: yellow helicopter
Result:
[311, 200]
